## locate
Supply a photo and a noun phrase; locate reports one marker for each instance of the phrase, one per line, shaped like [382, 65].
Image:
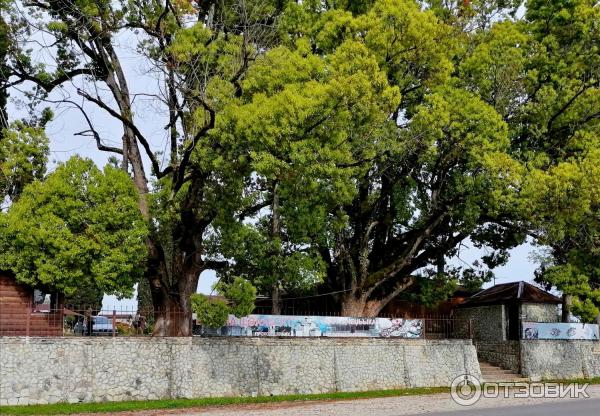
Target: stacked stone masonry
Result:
[505, 354]
[539, 312]
[489, 322]
[50, 370]
[560, 359]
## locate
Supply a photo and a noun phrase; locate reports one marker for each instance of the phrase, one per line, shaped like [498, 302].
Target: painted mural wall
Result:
[557, 330]
[319, 326]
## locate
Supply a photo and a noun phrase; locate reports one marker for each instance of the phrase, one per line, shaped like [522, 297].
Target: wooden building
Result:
[26, 312]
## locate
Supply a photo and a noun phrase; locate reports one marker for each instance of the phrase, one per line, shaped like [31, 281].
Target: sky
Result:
[152, 118]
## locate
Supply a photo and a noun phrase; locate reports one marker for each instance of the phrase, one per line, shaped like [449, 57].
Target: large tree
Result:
[198, 69]
[78, 229]
[439, 167]
[484, 106]
[562, 117]
[309, 120]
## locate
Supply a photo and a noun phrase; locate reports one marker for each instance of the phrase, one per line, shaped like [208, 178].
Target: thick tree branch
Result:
[254, 209]
[155, 166]
[23, 74]
[216, 265]
[399, 288]
[383, 275]
[180, 171]
[568, 104]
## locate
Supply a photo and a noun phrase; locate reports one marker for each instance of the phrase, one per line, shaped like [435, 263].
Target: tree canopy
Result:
[353, 143]
[80, 227]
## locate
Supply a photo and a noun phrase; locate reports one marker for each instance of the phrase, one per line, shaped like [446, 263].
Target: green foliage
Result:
[496, 68]
[267, 261]
[566, 219]
[430, 290]
[561, 191]
[574, 279]
[84, 297]
[212, 313]
[240, 293]
[354, 143]
[23, 157]
[80, 227]
[239, 301]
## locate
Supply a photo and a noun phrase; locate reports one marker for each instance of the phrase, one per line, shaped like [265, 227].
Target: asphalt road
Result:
[439, 404]
[583, 407]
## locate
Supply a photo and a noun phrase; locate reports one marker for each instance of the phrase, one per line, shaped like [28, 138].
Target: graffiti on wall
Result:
[320, 326]
[551, 330]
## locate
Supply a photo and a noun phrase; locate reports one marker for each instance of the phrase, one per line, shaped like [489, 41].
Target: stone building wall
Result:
[560, 359]
[489, 322]
[50, 370]
[505, 354]
[539, 312]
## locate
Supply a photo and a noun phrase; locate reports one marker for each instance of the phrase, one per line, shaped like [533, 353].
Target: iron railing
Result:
[40, 321]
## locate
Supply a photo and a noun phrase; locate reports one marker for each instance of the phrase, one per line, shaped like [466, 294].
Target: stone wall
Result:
[560, 359]
[489, 322]
[505, 354]
[539, 312]
[50, 370]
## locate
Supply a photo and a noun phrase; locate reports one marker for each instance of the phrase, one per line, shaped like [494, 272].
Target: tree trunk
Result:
[361, 307]
[275, 235]
[567, 300]
[275, 300]
[3, 76]
[368, 306]
[173, 280]
[144, 299]
[173, 311]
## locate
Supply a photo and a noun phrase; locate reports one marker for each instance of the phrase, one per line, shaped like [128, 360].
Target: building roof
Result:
[514, 292]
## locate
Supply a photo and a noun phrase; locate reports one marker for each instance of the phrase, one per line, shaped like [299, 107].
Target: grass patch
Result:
[595, 380]
[112, 407]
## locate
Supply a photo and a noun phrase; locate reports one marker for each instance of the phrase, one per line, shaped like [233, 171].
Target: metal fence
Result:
[69, 321]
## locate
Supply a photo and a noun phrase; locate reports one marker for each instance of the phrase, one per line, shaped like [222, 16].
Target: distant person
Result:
[139, 324]
[142, 325]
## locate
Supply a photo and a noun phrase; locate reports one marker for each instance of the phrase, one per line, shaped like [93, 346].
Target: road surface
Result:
[584, 407]
[430, 405]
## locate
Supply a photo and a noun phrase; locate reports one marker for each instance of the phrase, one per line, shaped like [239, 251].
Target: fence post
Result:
[114, 323]
[27, 325]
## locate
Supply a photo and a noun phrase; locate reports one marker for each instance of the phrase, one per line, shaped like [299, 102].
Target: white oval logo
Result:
[465, 390]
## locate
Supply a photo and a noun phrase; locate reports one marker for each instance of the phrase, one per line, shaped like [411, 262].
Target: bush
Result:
[213, 313]
[125, 329]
